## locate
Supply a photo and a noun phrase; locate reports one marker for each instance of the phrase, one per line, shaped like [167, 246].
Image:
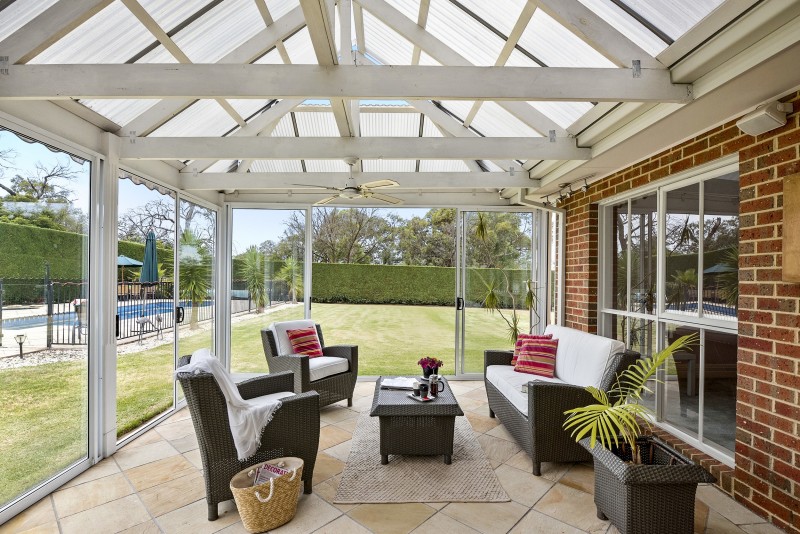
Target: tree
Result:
[252, 267]
[156, 215]
[292, 274]
[195, 272]
[43, 183]
[429, 240]
[503, 241]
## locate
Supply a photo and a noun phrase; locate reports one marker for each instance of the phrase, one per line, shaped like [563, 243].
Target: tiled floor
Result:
[155, 485]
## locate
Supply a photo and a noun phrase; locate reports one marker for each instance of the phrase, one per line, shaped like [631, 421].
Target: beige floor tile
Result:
[143, 528]
[332, 435]
[342, 525]
[437, 505]
[341, 451]
[312, 513]
[127, 458]
[47, 528]
[39, 514]
[580, 477]
[542, 524]
[364, 389]
[554, 471]
[327, 490]
[391, 518]
[471, 404]
[193, 518]
[90, 494]
[444, 524]
[500, 431]
[347, 426]
[701, 510]
[477, 393]
[723, 504]
[761, 528]
[481, 423]
[236, 528]
[109, 517]
[498, 449]
[362, 404]
[194, 458]
[719, 525]
[176, 429]
[523, 487]
[335, 413]
[482, 409]
[486, 517]
[572, 507]
[101, 469]
[151, 436]
[185, 444]
[178, 416]
[173, 494]
[326, 467]
[160, 471]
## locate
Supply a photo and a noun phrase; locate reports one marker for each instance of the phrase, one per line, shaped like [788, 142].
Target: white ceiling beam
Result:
[48, 27]
[190, 148]
[447, 56]
[445, 199]
[358, 20]
[263, 10]
[407, 180]
[597, 33]
[58, 82]
[247, 52]
[422, 21]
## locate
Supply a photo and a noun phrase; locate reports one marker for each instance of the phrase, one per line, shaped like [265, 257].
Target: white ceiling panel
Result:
[19, 13]
[276, 165]
[389, 124]
[119, 111]
[556, 46]
[300, 49]
[463, 33]
[316, 124]
[389, 165]
[203, 118]
[384, 44]
[216, 33]
[442, 165]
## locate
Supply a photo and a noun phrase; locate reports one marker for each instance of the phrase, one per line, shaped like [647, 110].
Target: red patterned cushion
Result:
[538, 357]
[524, 338]
[305, 341]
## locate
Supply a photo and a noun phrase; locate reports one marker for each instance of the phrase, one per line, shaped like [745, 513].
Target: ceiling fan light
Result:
[347, 193]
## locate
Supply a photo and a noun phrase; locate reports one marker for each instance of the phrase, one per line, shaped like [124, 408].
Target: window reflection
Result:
[682, 247]
[721, 247]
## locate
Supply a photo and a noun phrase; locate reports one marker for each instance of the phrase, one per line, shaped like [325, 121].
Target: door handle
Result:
[459, 303]
[116, 326]
[178, 314]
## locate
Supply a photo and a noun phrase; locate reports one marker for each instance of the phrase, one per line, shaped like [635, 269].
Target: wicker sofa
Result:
[333, 376]
[535, 419]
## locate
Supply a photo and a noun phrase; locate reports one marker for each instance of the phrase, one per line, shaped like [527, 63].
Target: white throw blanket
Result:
[247, 417]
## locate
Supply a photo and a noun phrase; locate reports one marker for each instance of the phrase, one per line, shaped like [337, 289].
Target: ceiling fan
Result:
[353, 190]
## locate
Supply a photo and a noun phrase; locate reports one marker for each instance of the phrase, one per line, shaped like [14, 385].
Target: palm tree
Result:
[252, 271]
[195, 273]
[292, 274]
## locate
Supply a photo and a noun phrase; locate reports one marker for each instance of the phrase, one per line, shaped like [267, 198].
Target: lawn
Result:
[43, 425]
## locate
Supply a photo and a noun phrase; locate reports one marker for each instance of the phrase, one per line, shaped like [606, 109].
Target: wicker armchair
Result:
[332, 388]
[540, 433]
[293, 431]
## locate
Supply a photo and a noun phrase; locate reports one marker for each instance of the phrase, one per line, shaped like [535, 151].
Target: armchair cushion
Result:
[305, 341]
[582, 358]
[537, 357]
[521, 340]
[282, 338]
[510, 383]
[324, 366]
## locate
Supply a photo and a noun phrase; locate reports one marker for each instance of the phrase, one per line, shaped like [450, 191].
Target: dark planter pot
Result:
[428, 371]
[655, 497]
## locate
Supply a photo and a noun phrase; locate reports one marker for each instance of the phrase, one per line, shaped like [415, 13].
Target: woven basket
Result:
[271, 504]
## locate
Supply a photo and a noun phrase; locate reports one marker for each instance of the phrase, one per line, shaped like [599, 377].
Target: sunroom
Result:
[177, 176]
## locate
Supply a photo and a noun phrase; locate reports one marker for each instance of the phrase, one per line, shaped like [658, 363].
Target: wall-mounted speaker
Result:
[764, 118]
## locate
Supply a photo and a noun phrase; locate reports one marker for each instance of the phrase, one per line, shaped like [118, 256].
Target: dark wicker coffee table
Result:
[411, 427]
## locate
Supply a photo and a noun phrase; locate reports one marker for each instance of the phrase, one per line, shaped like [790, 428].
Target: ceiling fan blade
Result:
[384, 198]
[318, 187]
[379, 183]
[326, 200]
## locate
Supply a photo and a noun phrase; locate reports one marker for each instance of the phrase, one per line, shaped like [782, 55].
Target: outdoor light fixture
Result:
[585, 186]
[20, 338]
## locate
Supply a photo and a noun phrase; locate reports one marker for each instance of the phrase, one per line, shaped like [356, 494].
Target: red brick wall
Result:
[767, 475]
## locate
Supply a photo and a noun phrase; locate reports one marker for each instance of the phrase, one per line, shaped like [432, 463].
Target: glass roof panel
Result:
[326, 165]
[19, 13]
[463, 33]
[429, 129]
[426, 60]
[219, 31]
[278, 8]
[270, 58]
[563, 113]
[246, 107]
[284, 128]
[384, 44]
[276, 165]
[92, 42]
[389, 165]
[204, 118]
[675, 17]
[556, 46]
[518, 59]
[223, 165]
[492, 166]
[169, 14]
[627, 25]
[494, 121]
[158, 55]
[410, 8]
[120, 111]
[502, 14]
[389, 124]
[316, 124]
[300, 49]
[442, 165]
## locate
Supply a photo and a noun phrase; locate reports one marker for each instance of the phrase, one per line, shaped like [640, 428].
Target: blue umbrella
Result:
[125, 261]
[149, 274]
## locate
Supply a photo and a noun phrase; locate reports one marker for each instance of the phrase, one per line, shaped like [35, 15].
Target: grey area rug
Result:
[470, 478]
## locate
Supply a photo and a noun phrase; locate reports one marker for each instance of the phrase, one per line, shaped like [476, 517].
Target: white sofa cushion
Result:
[282, 339]
[509, 382]
[324, 366]
[582, 357]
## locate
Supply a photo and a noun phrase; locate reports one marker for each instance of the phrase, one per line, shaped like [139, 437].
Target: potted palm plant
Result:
[641, 483]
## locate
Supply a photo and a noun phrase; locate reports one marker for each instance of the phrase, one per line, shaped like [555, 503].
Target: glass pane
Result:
[644, 253]
[681, 398]
[719, 389]
[496, 277]
[267, 284]
[384, 279]
[721, 247]
[643, 339]
[145, 306]
[681, 234]
[44, 312]
[196, 252]
[618, 297]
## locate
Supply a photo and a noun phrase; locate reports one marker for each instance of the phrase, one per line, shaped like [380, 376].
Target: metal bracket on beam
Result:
[552, 135]
[4, 65]
[132, 137]
[637, 68]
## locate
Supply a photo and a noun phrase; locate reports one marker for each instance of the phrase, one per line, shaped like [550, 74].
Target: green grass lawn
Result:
[43, 426]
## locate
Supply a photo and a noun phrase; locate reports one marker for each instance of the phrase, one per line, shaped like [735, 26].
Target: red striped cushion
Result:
[523, 338]
[538, 357]
[305, 341]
